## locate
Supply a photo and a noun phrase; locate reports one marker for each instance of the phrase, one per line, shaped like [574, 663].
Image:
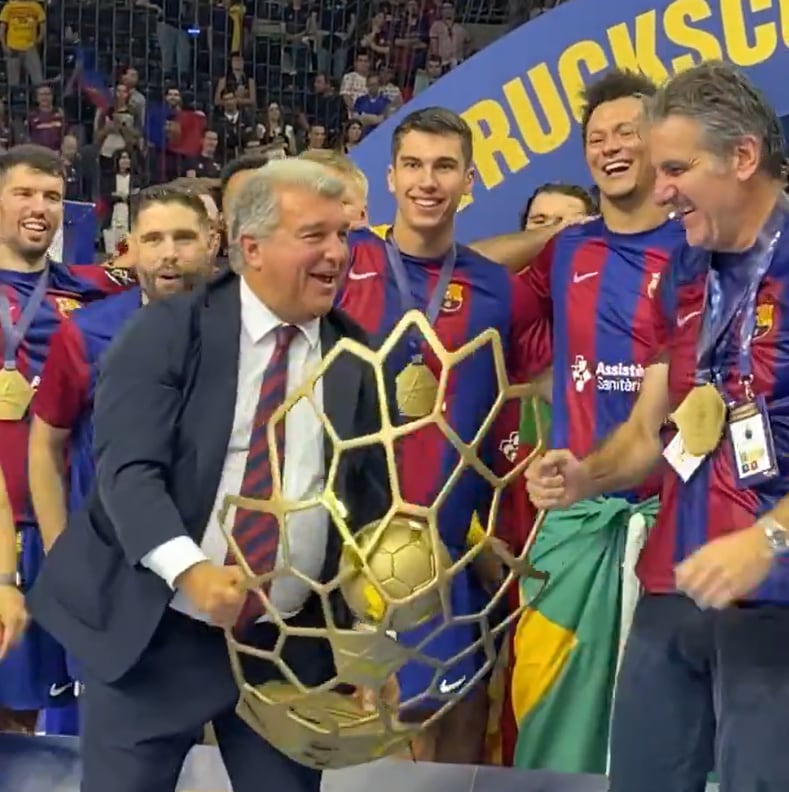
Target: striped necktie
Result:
[257, 533]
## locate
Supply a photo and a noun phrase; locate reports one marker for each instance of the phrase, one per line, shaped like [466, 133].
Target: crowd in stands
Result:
[140, 92]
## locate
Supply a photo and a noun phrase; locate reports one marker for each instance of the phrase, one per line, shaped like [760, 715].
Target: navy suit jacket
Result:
[163, 415]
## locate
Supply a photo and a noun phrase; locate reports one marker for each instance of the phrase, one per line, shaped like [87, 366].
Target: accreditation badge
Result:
[752, 443]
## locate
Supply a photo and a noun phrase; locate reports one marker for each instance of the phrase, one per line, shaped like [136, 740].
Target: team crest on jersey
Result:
[764, 319]
[67, 305]
[453, 298]
[120, 276]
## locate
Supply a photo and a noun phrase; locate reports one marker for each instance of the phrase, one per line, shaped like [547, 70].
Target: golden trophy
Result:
[394, 574]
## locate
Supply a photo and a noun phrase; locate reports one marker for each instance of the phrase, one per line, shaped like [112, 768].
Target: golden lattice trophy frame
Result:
[323, 726]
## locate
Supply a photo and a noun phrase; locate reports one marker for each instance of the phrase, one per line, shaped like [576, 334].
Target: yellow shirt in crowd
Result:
[22, 19]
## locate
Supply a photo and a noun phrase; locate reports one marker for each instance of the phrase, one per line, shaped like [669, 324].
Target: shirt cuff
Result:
[173, 558]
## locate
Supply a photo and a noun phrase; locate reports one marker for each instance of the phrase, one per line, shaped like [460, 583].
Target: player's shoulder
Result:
[367, 247]
[475, 265]
[103, 315]
[103, 277]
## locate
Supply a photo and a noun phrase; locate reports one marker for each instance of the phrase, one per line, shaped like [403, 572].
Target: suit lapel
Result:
[340, 385]
[216, 380]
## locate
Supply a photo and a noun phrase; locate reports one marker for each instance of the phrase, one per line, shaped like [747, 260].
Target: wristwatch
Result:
[8, 579]
[777, 536]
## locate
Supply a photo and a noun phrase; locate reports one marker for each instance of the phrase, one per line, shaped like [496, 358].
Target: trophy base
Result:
[323, 730]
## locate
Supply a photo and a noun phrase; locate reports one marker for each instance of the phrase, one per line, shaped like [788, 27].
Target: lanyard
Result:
[14, 334]
[719, 319]
[404, 287]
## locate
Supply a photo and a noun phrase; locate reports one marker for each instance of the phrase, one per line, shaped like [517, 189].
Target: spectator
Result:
[115, 130]
[46, 125]
[77, 188]
[117, 189]
[131, 79]
[205, 166]
[377, 40]
[351, 136]
[317, 137]
[389, 89]
[276, 130]
[224, 23]
[236, 80]
[337, 24]
[174, 18]
[300, 30]
[230, 127]
[372, 108]
[411, 36]
[425, 78]
[323, 107]
[22, 28]
[354, 83]
[449, 41]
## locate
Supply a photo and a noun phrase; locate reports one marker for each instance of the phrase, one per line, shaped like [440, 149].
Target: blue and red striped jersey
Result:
[69, 288]
[64, 398]
[480, 295]
[710, 505]
[598, 287]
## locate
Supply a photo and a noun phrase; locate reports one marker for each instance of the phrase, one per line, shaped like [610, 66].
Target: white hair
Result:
[255, 211]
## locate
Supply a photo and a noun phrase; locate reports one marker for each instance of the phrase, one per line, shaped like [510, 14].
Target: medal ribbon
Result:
[719, 319]
[404, 286]
[14, 334]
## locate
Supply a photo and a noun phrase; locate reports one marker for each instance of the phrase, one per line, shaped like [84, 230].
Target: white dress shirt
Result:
[304, 473]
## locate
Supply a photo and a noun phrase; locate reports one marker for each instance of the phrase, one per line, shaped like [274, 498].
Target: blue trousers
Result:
[699, 690]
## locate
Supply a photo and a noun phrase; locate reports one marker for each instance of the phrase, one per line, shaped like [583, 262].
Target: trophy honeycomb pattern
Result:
[322, 725]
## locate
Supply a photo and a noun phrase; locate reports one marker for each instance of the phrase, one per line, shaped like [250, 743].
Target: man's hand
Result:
[488, 565]
[13, 618]
[217, 591]
[726, 569]
[388, 696]
[556, 480]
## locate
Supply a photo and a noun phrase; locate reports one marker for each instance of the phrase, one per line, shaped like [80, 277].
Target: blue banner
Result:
[75, 242]
[522, 94]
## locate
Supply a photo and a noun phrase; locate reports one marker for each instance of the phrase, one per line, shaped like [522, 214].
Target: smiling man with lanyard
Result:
[35, 296]
[420, 266]
[704, 677]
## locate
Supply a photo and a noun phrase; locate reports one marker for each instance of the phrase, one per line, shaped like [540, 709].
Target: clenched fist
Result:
[556, 480]
[13, 617]
[217, 591]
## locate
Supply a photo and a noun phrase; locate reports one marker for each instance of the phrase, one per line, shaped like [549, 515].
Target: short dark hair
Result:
[240, 164]
[435, 121]
[168, 195]
[571, 190]
[616, 84]
[37, 158]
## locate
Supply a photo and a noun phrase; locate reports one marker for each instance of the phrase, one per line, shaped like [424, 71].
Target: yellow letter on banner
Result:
[537, 140]
[592, 55]
[676, 23]
[498, 140]
[641, 57]
[765, 36]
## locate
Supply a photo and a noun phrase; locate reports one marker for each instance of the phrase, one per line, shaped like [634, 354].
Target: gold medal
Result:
[16, 394]
[700, 420]
[417, 390]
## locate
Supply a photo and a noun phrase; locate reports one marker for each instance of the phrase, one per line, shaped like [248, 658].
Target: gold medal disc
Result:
[16, 394]
[700, 420]
[417, 390]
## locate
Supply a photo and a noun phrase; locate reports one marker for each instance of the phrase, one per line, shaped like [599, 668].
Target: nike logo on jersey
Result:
[449, 687]
[361, 275]
[581, 278]
[683, 320]
[59, 690]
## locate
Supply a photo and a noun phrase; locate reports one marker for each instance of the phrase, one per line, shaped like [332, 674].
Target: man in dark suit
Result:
[139, 584]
